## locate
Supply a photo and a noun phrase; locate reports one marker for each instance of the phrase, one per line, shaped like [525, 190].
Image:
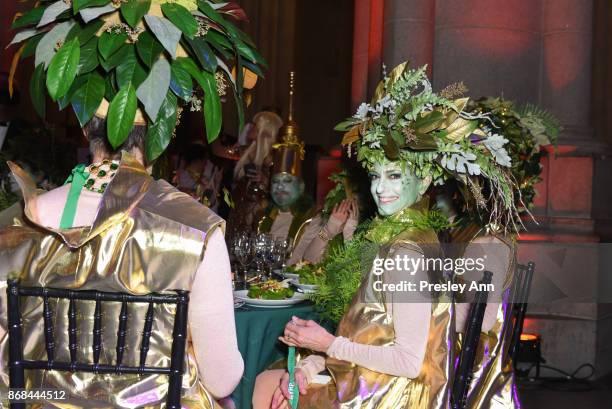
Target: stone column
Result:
[409, 32]
[492, 46]
[361, 24]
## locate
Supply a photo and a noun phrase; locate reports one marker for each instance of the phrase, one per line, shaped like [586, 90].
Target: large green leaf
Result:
[205, 54]
[52, 12]
[116, 58]
[212, 107]
[121, 114]
[212, 102]
[154, 89]
[250, 53]
[85, 33]
[31, 17]
[64, 101]
[110, 87]
[182, 18]
[166, 32]
[109, 43]
[93, 13]
[89, 57]
[428, 122]
[30, 47]
[81, 4]
[218, 40]
[63, 69]
[180, 81]
[159, 134]
[240, 109]
[148, 48]
[133, 10]
[87, 99]
[130, 70]
[37, 89]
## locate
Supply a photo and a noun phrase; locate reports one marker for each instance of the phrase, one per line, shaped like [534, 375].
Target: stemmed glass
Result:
[283, 248]
[261, 245]
[243, 252]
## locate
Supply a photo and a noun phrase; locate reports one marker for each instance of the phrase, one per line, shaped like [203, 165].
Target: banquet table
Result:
[258, 330]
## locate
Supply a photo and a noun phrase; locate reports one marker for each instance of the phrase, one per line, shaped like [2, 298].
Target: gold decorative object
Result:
[290, 150]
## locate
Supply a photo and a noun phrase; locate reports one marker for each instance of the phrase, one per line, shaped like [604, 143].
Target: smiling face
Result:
[394, 188]
[286, 189]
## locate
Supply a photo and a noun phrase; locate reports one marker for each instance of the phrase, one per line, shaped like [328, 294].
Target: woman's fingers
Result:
[287, 342]
[284, 385]
[277, 398]
[301, 381]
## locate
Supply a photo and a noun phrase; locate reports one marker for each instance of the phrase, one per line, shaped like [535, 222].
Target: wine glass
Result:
[260, 249]
[284, 248]
[243, 252]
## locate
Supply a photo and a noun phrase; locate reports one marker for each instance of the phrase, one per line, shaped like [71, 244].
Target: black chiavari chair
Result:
[17, 363]
[524, 275]
[467, 356]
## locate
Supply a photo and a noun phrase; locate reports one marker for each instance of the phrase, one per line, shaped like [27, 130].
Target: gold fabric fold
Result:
[370, 323]
[146, 237]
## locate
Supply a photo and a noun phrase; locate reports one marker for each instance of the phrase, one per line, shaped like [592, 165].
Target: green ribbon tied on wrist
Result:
[78, 177]
[294, 392]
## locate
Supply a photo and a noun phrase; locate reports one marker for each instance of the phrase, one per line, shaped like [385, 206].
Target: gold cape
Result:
[146, 237]
[493, 384]
[370, 323]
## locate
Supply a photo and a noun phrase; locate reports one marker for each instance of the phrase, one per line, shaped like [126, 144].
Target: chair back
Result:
[17, 363]
[467, 356]
[524, 275]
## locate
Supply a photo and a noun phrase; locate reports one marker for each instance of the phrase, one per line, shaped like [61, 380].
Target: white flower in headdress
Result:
[495, 144]
[362, 111]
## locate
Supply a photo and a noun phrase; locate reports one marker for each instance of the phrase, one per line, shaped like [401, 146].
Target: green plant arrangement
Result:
[345, 265]
[137, 61]
[527, 129]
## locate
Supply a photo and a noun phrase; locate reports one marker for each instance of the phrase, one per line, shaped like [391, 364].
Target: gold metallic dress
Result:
[146, 237]
[371, 324]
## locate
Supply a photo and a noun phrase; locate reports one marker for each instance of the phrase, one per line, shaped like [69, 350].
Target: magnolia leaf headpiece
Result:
[436, 136]
[137, 62]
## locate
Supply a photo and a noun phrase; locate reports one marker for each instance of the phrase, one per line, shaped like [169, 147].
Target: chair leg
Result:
[177, 358]
[16, 371]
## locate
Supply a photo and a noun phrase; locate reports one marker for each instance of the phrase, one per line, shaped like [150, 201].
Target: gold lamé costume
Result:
[493, 384]
[146, 237]
[370, 323]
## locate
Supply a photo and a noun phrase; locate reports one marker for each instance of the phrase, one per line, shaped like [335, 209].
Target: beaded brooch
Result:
[100, 174]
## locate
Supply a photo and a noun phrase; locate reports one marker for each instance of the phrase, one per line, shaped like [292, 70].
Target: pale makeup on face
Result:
[285, 189]
[393, 188]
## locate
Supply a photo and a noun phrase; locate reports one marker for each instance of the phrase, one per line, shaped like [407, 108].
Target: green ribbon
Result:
[293, 389]
[77, 177]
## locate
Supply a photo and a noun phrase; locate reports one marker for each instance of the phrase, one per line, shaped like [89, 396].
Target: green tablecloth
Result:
[258, 330]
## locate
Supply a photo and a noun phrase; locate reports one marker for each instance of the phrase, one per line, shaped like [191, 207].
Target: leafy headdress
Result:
[137, 62]
[435, 135]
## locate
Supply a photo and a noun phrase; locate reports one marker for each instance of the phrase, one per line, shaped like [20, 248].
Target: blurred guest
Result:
[199, 176]
[252, 175]
[291, 210]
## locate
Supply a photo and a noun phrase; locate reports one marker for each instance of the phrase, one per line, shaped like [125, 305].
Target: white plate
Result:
[242, 296]
[305, 288]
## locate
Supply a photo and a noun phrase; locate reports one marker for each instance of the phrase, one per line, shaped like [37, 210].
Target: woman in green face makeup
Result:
[395, 188]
